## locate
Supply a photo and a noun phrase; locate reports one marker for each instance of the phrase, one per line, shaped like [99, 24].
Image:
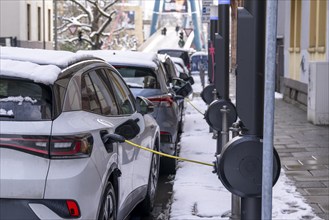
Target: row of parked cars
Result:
[61, 114]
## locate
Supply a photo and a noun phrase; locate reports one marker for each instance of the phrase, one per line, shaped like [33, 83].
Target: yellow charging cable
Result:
[190, 102]
[168, 155]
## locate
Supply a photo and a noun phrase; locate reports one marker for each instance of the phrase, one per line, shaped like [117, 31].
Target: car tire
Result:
[168, 165]
[147, 205]
[108, 209]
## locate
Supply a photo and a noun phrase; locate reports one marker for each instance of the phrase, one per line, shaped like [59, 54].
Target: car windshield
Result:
[24, 101]
[139, 77]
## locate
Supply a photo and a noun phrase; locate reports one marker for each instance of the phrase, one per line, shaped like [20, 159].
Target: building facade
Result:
[26, 23]
[303, 26]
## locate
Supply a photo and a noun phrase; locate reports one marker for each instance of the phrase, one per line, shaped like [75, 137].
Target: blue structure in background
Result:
[155, 16]
[197, 38]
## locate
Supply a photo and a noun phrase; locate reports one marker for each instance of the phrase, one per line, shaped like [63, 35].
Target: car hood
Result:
[22, 173]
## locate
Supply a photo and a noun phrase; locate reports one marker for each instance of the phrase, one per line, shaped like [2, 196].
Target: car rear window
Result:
[24, 101]
[174, 53]
[139, 77]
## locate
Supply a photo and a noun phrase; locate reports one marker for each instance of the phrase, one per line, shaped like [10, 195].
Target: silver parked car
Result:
[146, 76]
[60, 158]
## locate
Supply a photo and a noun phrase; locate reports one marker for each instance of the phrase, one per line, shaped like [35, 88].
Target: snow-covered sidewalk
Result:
[199, 194]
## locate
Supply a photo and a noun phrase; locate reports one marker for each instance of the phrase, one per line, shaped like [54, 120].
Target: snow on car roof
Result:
[61, 59]
[38, 65]
[174, 49]
[46, 74]
[178, 60]
[198, 53]
[118, 57]
[179, 68]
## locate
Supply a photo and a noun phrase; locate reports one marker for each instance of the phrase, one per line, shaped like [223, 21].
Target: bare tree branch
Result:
[113, 32]
[77, 39]
[93, 19]
[90, 16]
[110, 5]
[98, 8]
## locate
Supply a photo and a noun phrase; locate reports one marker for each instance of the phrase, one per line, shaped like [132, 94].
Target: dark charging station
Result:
[239, 161]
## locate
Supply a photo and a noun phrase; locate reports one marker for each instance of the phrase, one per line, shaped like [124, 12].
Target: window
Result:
[49, 25]
[89, 98]
[59, 91]
[295, 25]
[28, 19]
[104, 94]
[39, 24]
[125, 99]
[73, 97]
[24, 101]
[317, 40]
[139, 77]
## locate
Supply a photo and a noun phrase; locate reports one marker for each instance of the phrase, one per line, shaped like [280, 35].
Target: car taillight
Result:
[71, 146]
[165, 137]
[73, 208]
[50, 147]
[164, 101]
[189, 66]
[37, 145]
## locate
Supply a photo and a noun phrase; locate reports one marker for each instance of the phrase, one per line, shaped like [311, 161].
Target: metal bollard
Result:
[235, 200]
[215, 133]
[225, 130]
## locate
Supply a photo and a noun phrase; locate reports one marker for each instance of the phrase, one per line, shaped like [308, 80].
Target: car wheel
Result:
[147, 204]
[109, 204]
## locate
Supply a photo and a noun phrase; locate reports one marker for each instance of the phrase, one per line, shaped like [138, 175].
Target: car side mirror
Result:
[190, 80]
[178, 97]
[182, 88]
[143, 105]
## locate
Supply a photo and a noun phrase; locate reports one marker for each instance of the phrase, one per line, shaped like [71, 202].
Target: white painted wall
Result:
[286, 12]
[9, 18]
[327, 43]
[13, 19]
[281, 19]
[318, 90]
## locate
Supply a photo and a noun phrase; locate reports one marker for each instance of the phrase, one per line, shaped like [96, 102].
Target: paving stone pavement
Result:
[304, 153]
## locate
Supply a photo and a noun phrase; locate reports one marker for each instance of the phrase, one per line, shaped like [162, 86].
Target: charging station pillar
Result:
[250, 82]
[222, 46]
[251, 67]
[213, 28]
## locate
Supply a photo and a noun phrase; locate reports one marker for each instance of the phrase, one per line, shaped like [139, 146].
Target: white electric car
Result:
[60, 118]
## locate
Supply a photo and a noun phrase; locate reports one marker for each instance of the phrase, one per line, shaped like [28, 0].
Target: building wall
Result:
[9, 18]
[14, 22]
[137, 30]
[281, 18]
[305, 60]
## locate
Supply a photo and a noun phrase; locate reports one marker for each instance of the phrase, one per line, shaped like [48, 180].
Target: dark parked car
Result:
[181, 53]
[146, 76]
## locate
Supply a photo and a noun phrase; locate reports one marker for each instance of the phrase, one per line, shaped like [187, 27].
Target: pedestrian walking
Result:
[177, 29]
[164, 31]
